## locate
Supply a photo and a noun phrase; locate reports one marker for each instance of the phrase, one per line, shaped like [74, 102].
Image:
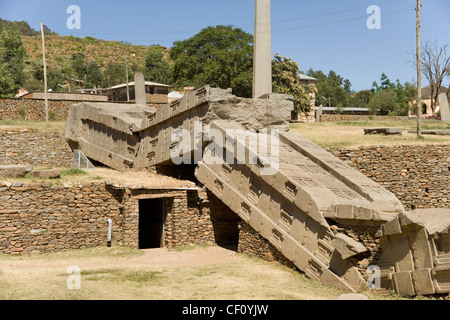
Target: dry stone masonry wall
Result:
[34, 147]
[49, 217]
[418, 175]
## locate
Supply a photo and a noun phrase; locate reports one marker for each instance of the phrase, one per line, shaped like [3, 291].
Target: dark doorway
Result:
[151, 223]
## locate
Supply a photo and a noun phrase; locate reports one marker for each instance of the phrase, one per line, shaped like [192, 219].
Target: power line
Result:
[408, 9]
[187, 31]
[337, 12]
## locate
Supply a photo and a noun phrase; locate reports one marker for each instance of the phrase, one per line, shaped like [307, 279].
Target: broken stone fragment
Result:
[15, 171]
[46, 174]
[348, 247]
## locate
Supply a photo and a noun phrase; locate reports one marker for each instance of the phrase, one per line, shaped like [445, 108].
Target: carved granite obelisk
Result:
[262, 56]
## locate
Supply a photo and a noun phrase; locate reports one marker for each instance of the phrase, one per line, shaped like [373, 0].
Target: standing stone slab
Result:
[443, 106]
[262, 67]
[319, 113]
[139, 88]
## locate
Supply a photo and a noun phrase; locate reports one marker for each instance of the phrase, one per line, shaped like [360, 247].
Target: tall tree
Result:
[12, 54]
[79, 65]
[435, 67]
[114, 74]
[361, 99]
[332, 89]
[286, 79]
[94, 75]
[220, 56]
[7, 85]
[384, 102]
[157, 68]
[386, 90]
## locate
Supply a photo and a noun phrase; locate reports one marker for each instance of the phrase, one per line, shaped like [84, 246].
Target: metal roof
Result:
[147, 83]
[305, 77]
[345, 109]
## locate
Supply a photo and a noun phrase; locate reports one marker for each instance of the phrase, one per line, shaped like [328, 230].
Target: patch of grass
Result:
[32, 125]
[73, 172]
[81, 254]
[142, 277]
[333, 135]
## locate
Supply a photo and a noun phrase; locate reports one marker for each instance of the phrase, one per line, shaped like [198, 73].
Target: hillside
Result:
[59, 50]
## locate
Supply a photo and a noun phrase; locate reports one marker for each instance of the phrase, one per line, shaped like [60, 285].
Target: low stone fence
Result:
[48, 217]
[356, 117]
[34, 109]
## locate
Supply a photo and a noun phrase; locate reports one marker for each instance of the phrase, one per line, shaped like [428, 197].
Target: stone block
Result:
[385, 131]
[14, 171]
[348, 247]
[46, 174]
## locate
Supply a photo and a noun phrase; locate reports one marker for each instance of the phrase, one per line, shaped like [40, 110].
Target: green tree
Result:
[361, 99]
[286, 79]
[331, 88]
[384, 102]
[79, 66]
[220, 56]
[385, 83]
[404, 93]
[94, 75]
[113, 75]
[7, 85]
[12, 54]
[55, 78]
[157, 69]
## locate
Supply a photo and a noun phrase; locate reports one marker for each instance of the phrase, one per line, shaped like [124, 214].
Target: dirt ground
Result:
[197, 273]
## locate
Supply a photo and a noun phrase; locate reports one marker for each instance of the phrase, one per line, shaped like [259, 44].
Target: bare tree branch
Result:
[435, 66]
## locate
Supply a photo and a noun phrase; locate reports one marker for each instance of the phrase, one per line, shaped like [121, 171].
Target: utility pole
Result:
[45, 73]
[419, 73]
[128, 89]
[127, 59]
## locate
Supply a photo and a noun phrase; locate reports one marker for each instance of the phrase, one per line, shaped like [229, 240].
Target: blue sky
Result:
[322, 35]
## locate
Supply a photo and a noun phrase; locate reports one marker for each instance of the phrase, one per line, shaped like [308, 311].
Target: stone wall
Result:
[418, 175]
[45, 218]
[49, 217]
[58, 110]
[34, 109]
[251, 243]
[34, 147]
[356, 117]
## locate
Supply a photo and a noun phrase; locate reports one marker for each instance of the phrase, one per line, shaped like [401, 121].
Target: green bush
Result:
[52, 116]
[22, 112]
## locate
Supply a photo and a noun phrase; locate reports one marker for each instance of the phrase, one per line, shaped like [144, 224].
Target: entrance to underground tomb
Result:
[151, 223]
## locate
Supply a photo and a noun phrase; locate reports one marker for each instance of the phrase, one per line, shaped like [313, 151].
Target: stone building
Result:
[310, 117]
[156, 92]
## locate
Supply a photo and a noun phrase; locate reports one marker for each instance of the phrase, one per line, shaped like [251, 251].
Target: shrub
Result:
[22, 112]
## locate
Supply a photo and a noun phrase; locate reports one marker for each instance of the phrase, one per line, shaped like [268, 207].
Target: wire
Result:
[340, 21]
[189, 31]
[337, 12]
